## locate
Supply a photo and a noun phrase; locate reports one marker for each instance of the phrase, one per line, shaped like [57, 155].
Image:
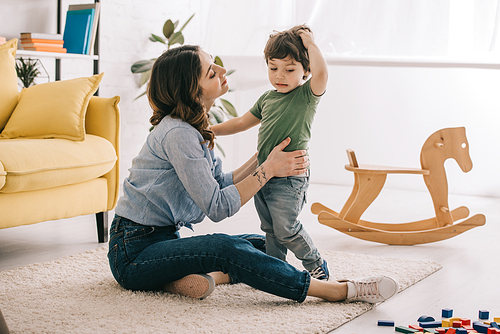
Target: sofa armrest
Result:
[103, 119]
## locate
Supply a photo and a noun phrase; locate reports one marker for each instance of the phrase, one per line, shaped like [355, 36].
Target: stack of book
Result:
[81, 28]
[3, 40]
[42, 42]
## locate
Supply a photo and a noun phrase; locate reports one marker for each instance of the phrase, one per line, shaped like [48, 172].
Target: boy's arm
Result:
[319, 68]
[235, 125]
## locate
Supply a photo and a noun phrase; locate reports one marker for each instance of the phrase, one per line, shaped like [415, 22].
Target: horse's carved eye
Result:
[464, 145]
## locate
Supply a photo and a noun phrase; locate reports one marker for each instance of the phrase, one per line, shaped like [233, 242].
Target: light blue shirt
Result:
[177, 180]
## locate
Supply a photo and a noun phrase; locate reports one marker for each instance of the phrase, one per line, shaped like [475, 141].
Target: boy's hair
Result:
[288, 44]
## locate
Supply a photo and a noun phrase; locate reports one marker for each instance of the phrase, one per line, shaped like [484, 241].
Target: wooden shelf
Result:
[56, 55]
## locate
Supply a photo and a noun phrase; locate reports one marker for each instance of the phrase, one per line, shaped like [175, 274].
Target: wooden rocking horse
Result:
[369, 180]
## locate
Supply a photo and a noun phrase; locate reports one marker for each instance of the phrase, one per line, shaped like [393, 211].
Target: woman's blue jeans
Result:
[147, 257]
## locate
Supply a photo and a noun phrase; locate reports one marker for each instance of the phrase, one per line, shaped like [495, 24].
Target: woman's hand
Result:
[279, 164]
[282, 164]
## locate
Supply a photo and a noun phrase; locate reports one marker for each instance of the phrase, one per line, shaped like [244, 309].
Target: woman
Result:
[176, 180]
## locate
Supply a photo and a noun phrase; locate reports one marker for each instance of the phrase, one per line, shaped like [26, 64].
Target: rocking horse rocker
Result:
[369, 180]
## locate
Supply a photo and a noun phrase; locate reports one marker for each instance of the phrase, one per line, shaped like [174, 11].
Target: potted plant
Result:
[222, 107]
[27, 71]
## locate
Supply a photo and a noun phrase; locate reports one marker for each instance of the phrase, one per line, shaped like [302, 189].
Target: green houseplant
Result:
[171, 36]
[27, 71]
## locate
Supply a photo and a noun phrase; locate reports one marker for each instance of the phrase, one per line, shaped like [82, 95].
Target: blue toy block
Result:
[460, 331]
[494, 324]
[484, 314]
[447, 313]
[388, 323]
[430, 324]
[425, 318]
[480, 327]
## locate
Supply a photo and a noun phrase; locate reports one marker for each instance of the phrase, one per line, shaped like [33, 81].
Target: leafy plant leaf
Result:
[156, 38]
[168, 28]
[229, 107]
[185, 24]
[221, 150]
[142, 66]
[218, 61]
[145, 77]
[143, 93]
[176, 38]
[230, 72]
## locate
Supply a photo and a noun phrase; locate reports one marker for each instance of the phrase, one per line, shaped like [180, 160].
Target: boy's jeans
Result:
[278, 204]
[147, 257]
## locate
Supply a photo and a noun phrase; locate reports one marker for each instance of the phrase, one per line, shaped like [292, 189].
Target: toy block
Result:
[440, 330]
[388, 323]
[425, 318]
[447, 313]
[446, 323]
[403, 329]
[430, 324]
[418, 328]
[493, 330]
[484, 314]
[465, 322]
[461, 331]
[456, 324]
[431, 330]
[480, 327]
[496, 319]
[451, 331]
[494, 324]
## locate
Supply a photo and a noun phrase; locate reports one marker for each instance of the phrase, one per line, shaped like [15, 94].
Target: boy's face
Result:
[285, 74]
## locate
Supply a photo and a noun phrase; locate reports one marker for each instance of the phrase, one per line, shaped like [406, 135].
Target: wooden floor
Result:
[468, 282]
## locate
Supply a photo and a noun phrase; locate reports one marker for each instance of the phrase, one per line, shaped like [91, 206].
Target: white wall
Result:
[384, 114]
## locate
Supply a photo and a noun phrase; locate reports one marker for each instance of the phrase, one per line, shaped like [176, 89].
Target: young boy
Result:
[287, 111]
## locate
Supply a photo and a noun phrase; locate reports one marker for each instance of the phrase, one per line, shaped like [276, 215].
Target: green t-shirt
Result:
[285, 115]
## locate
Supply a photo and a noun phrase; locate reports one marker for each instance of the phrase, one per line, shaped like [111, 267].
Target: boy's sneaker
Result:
[321, 272]
[373, 289]
[196, 286]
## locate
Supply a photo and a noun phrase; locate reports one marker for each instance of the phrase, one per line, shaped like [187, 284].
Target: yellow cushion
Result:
[53, 110]
[8, 81]
[32, 164]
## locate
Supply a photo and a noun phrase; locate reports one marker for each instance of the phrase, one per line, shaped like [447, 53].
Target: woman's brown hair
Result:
[174, 89]
[288, 43]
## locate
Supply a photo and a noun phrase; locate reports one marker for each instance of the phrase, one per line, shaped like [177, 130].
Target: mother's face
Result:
[213, 81]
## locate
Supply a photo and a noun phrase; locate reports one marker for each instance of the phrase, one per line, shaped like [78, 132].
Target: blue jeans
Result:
[147, 257]
[278, 204]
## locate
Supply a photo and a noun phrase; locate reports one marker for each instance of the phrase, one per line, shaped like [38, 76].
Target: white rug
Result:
[77, 294]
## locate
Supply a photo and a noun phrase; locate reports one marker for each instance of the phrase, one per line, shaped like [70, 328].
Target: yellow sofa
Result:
[59, 149]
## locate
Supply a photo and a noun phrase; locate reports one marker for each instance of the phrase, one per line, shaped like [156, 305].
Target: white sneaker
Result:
[197, 286]
[373, 289]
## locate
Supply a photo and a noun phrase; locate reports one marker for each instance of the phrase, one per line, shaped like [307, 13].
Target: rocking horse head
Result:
[444, 144]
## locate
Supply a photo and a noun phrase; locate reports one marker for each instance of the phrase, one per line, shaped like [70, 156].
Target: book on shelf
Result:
[96, 6]
[42, 41]
[39, 35]
[43, 45]
[77, 29]
[47, 49]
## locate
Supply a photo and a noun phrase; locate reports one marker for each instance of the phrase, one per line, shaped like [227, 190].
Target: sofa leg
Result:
[102, 226]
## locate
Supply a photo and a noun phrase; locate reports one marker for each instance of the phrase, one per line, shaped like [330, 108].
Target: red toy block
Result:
[456, 324]
[441, 330]
[451, 331]
[418, 328]
[465, 322]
